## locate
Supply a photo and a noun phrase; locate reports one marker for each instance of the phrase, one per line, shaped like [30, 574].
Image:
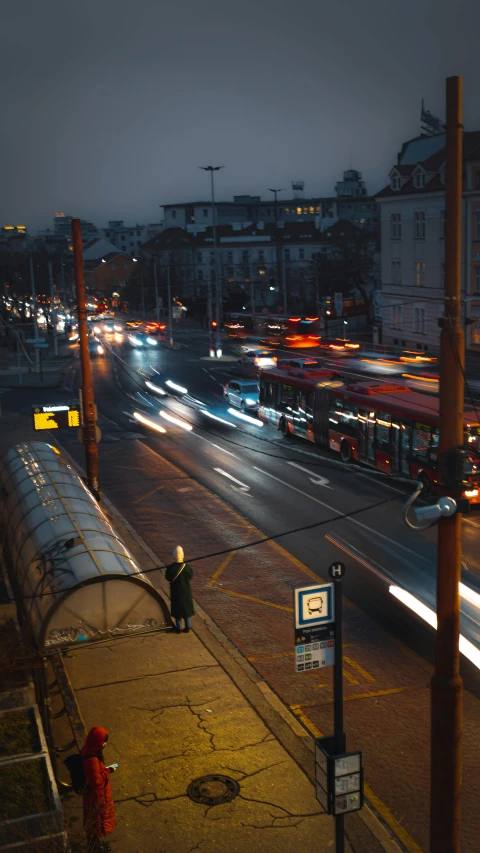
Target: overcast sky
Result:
[109, 106]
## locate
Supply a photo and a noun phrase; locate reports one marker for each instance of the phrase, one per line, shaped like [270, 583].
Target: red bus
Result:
[389, 427]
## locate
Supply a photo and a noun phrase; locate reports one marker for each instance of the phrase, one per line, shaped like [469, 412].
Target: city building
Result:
[256, 259]
[412, 217]
[108, 274]
[62, 226]
[14, 238]
[129, 238]
[350, 201]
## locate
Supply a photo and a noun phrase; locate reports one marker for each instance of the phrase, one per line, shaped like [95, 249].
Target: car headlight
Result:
[250, 402]
[100, 349]
[152, 342]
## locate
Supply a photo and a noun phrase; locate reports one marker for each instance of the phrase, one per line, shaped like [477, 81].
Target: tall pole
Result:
[169, 297]
[278, 251]
[34, 312]
[339, 734]
[64, 287]
[218, 281]
[211, 342]
[252, 288]
[157, 306]
[53, 310]
[446, 684]
[88, 401]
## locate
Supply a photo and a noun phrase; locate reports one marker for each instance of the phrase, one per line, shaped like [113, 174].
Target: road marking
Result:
[338, 512]
[228, 452]
[221, 569]
[363, 672]
[380, 807]
[240, 487]
[252, 598]
[469, 521]
[349, 677]
[316, 479]
[148, 495]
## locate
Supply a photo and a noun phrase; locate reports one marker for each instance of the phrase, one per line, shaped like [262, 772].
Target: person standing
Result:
[98, 805]
[179, 575]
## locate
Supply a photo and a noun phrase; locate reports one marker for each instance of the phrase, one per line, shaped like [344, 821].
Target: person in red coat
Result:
[98, 805]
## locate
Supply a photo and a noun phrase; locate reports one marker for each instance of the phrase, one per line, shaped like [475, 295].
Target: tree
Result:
[345, 266]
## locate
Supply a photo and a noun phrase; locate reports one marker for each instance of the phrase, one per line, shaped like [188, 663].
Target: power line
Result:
[224, 551]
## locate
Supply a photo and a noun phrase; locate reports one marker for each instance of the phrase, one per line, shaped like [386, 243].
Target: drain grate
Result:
[213, 790]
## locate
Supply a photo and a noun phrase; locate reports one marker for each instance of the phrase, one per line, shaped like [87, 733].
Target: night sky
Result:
[109, 106]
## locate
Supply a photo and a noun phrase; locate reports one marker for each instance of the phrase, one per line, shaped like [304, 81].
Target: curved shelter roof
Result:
[77, 579]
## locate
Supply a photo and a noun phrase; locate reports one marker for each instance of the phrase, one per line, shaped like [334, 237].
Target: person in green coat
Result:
[179, 575]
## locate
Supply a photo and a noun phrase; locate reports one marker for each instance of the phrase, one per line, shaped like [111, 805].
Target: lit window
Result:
[317, 210]
[311, 210]
[299, 210]
[287, 210]
[419, 273]
[305, 209]
[420, 225]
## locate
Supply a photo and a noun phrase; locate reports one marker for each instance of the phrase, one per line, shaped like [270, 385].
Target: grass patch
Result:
[18, 733]
[25, 790]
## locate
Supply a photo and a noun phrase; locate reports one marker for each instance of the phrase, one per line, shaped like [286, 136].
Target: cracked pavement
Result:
[173, 714]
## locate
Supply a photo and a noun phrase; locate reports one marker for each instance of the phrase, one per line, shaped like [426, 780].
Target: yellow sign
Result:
[56, 416]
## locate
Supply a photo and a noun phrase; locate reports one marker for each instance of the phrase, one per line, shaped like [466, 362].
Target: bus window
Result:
[421, 437]
[309, 409]
[384, 421]
[366, 435]
[434, 445]
[263, 390]
[345, 415]
[287, 395]
[401, 446]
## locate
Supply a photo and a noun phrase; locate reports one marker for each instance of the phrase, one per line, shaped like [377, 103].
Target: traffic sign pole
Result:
[336, 572]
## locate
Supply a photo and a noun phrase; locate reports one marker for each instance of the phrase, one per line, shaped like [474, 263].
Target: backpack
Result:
[74, 765]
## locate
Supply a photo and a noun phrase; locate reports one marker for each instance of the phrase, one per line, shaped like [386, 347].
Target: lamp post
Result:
[278, 252]
[218, 287]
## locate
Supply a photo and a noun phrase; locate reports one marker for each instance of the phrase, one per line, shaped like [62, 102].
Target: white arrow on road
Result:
[240, 487]
[316, 479]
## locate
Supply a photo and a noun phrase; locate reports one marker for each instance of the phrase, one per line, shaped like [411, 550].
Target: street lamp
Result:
[277, 251]
[218, 289]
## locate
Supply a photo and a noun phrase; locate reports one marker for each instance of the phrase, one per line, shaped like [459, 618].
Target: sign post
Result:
[318, 643]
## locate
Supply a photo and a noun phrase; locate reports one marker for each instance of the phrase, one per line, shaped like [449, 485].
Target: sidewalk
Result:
[180, 707]
[54, 371]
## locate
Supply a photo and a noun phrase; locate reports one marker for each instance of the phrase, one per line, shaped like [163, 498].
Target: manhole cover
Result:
[213, 790]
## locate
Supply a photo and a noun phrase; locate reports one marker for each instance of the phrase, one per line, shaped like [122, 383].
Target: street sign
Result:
[314, 627]
[339, 778]
[41, 345]
[56, 416]
[35, 341]
[336, 570]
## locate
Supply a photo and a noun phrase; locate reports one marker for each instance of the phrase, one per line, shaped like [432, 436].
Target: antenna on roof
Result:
[430, 125]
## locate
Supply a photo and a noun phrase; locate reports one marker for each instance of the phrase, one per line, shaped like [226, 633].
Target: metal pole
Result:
[252, 290]
[157, 306]
[211, 341]
[18, 360]
[64, 287]
[88, 401]
[339, 734]
[53, 310]
[284, 287]
[169, 297]
[446, 684]
[218, 283]
[34, 312]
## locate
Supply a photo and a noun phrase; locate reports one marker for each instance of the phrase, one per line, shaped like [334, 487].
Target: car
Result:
[140, 339]
[133, 324]
[252, 361]
[110, 327]
[243, 394]
[95, 348]
[155, 328]
[300, 364]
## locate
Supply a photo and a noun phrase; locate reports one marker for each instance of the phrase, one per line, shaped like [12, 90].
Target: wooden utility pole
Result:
[88, 401]
[446, 685]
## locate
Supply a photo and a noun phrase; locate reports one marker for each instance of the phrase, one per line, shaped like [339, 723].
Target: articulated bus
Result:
[389, 427]
[274, 329]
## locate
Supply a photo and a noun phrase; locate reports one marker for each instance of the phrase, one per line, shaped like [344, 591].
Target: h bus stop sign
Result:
[314, 627]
